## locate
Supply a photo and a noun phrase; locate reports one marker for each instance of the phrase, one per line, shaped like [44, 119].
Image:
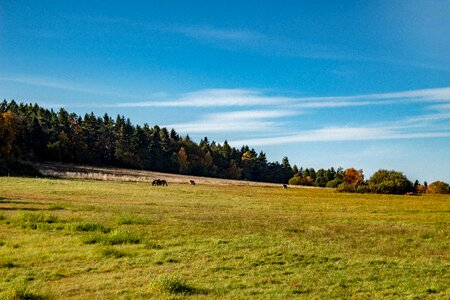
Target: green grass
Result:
[114, 237]
[88, 226]
[84, 239]
[112, 252]
[130, 220]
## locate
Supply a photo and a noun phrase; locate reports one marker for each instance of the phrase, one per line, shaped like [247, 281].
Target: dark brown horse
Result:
[159, 182]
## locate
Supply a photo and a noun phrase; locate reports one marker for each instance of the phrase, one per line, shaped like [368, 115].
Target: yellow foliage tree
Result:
[183, 160]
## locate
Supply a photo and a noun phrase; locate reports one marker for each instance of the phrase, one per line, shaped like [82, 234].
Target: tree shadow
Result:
[4, 200]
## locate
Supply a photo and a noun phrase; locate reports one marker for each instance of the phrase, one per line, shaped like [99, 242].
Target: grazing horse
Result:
[158, 182]
[285, 186]
[192, 182]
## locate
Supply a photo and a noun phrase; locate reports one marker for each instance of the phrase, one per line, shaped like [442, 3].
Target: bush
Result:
[363, 189]
[389, 182]
[111, 252]
[347, 188]
[171, 285]
[18, 292]
[121, 237]
[35, 220]
[296, 180]
[115, 237]
[438, 187]
[334, 183]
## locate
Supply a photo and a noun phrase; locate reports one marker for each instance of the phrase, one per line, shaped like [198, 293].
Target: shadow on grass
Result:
[25, 208]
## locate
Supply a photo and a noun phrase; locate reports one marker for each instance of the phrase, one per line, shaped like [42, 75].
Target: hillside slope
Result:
[63, 170]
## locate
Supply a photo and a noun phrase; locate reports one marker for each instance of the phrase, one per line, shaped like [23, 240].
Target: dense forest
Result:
[29, 132]
[32, 133]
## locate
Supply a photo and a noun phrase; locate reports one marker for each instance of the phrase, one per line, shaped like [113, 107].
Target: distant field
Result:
[102, 239]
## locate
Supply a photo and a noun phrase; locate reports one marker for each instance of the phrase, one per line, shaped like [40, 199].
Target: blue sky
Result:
[327, 83]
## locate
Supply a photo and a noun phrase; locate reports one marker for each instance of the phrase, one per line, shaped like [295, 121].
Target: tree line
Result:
[352, 180]
[29, 132]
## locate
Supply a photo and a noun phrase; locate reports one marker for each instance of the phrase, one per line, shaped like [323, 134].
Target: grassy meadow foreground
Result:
[101, 239]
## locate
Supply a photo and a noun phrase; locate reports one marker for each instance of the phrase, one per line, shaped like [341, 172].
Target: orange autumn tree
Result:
[438, 187]
[353, 177]
[352, 180]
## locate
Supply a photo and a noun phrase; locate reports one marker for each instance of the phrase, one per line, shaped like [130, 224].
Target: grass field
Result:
[99, 239]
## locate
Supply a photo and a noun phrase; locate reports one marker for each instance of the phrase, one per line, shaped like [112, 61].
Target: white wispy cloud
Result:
[436, 98]
[61, 84]
[253, 97]
[441, 107]
[422, 95]
[236, 121]
[46, 82]
[333, 134]
[215, 98]
[212, 34]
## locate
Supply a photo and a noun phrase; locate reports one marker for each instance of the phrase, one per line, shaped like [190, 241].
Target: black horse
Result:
[159, 182]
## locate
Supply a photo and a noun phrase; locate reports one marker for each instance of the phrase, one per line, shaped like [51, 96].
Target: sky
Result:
[362, 84]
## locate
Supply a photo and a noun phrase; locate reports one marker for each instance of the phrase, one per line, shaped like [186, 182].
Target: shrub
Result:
[19, 292]
[421, 189]
[296, 180]
[89, 226]
[438, 187]
[389, 182]
[334, 183]
[36, 217]
[121, 237]
[35, 220]
[7, 264]
[347, 188]
[111, 252]
[115, 237]
[171, 285]
[362, 189]
[93, 239]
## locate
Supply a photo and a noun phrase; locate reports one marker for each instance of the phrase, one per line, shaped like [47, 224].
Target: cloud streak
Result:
[236, 121]
[60, 84]
[250, 97]
[335, 134]
[214, 98]
[214, 34]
